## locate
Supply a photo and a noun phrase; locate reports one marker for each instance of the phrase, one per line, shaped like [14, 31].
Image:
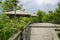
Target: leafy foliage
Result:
[9, 5]
[51, 17]
[39, 17]
[0, 4]
[7, 27]
[59, 35]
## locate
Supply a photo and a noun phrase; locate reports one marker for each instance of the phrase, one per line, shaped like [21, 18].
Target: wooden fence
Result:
[20, 35]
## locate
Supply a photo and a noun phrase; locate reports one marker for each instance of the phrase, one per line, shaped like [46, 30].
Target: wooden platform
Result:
[43, 31]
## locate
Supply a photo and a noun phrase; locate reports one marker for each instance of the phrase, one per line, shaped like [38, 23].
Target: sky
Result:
[34, 5]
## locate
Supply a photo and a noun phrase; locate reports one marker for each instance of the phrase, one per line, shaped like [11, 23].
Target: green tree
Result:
[7, 27]
[40, 15]
[57, 15]
[53, 16]
[45, 18]
[8, 5]
[0, 4]
[49, 17]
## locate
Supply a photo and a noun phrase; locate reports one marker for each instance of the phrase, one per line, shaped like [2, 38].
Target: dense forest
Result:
[8, 26]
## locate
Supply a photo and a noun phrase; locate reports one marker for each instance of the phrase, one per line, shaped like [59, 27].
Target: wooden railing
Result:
[15, 36]
[57, 29]
[20, 35]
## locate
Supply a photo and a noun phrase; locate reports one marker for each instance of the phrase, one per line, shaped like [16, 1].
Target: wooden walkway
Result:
[43, 34]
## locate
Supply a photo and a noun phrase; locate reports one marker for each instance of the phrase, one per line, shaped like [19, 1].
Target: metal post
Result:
[15, 11]
[14, 3]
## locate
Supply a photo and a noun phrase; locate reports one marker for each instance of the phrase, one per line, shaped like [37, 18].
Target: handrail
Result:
[57, 29]
[20, 34]
[26, 31]
[15, 36]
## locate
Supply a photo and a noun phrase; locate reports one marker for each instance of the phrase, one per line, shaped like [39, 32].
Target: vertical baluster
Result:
[21, 33]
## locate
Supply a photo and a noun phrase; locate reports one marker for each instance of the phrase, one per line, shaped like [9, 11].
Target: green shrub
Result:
[7, 27]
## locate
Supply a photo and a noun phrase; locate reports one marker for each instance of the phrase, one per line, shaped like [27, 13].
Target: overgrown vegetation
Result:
[51, 16]
[9, 5]
[9, 26]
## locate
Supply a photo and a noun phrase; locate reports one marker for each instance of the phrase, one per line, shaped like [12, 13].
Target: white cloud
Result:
[24, 1]
[52, 2]
[33, 5]
[39, 2]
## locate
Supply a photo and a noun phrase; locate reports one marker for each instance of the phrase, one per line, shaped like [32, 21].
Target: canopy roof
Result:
[18, 12]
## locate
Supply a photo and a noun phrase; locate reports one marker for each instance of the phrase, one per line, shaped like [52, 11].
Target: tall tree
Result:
[0, 4]
[8, 5]
[53, 16]
[40, 15]
[57, 14]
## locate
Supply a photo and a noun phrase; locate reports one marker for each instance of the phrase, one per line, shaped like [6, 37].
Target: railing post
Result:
[26, 35]
[22, 33]
[27, 31]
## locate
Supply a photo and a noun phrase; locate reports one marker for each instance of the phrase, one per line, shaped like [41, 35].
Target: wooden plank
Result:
[15, 36]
